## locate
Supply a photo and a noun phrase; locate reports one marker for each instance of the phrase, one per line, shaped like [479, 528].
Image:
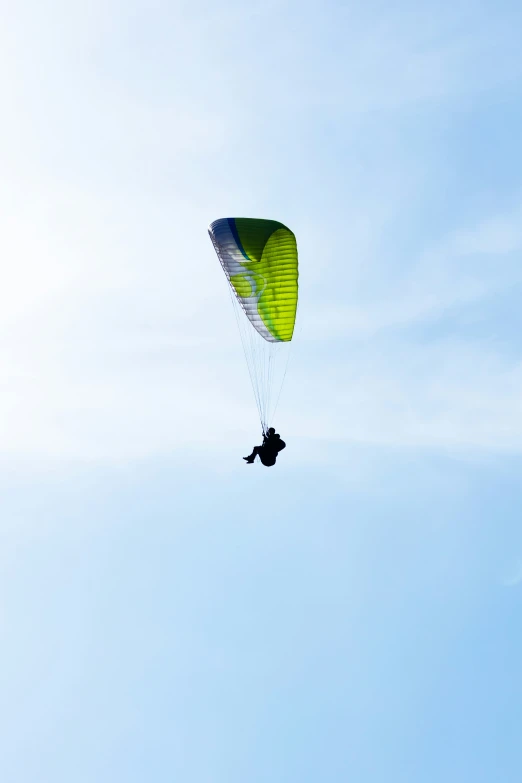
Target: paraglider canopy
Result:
[259, 258]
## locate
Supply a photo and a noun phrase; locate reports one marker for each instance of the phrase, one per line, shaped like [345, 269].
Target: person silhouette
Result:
[268, 451]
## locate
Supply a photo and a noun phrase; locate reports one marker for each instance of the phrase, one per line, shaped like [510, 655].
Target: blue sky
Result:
[168, 613]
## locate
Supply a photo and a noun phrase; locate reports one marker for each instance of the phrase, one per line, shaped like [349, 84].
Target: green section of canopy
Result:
[254, 234]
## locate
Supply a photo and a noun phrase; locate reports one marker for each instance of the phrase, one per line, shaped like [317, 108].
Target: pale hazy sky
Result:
[168, 613]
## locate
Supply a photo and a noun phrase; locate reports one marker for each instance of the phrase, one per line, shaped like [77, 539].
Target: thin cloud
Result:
[515, 576]
[467, 266]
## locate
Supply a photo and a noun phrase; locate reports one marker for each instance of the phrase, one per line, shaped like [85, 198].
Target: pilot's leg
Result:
[255, 453]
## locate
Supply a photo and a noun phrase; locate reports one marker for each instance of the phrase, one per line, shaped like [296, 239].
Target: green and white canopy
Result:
[259, 257]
